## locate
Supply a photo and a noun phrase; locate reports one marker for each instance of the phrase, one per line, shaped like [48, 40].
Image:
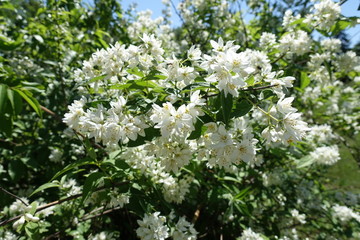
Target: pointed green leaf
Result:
[241, 108]
[91, 182]
[304, 80]
[45, 186]
[81, 162]
[3, 98]
[27, 96]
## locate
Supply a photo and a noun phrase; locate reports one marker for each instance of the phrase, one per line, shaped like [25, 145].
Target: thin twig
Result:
[54, 235]
[281, 56]
[99, 214]
[13, 195]
[10, 142]
[57, 117]
[56, 203]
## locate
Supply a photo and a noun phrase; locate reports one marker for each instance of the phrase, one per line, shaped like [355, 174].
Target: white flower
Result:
[55, 155]
[327, 155]
[299, 217]
[298, 43]
[76, 111]
[102, 236]
[152, 227]
[331, 44]
[118, 199]
[326, 12]
[344, 213]
[284, 105]
[194, 53]
[288, 19]
[19, 222]
[295, 128]
[267, 40]
[348, 61]
[184, 230]
[249, 234]
[18, 206]
[175, 190]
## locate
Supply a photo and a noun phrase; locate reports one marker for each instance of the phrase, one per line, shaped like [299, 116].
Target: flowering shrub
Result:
[205, 131]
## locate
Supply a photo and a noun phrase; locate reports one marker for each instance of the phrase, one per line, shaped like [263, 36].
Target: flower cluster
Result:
[154, 226]
[224, 148]
[345, 214]
[324, 15]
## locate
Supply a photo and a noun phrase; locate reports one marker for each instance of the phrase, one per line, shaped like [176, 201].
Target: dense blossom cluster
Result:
[154, 226]
[187, 124]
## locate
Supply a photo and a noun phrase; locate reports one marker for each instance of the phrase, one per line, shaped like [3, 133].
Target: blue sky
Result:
[349, 8]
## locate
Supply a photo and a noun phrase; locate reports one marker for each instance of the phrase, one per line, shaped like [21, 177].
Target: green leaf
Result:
[242, 193]
[3, 98]
[8, 45]
[46, 186]
[197, 132]
[6, 124]
[304, 80]
[339, 26]
[34, 206]
[15, 100]
[121, 86]
[232, 179]
[241, 108]
[90, 149]
[250, 81]
[146, 84]
[81, 162]
[226, 103]
[7, 5]
[17, 170]
[304, 162]
[31, 100]
[150, 133]
[199, 127]
[98, 78]
[91, 182]
[135, 71]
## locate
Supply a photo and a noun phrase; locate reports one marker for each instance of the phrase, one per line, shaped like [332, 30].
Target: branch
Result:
[56, 203]
[10, 142]
[13, 195]
[57, 117]
[196, 214]
[260, 88]
[100, 214]
[281, 56]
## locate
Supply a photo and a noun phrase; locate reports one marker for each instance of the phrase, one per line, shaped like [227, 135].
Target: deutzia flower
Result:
[152, 227]
[344, 213]
[284, 105]
[299, 217]
[327, 155]
[249, 234]
[184, 230]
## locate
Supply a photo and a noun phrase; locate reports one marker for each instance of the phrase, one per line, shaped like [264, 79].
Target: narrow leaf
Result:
[45, 186]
